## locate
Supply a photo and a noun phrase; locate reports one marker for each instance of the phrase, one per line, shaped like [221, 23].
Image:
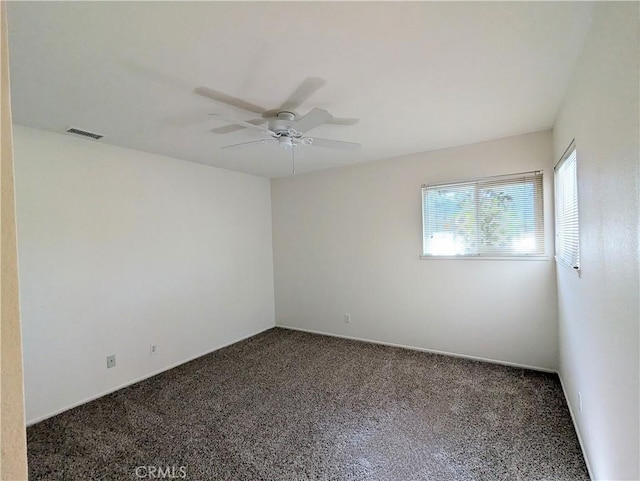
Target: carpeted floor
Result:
[287, 405]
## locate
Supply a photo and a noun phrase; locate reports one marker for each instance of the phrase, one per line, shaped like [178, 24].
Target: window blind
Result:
[566, 199]
[491, 217]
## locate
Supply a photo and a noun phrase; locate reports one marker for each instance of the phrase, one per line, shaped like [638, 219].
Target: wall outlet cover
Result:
[111, 361]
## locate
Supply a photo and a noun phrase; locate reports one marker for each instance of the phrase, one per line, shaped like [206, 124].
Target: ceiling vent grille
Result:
[84, 133]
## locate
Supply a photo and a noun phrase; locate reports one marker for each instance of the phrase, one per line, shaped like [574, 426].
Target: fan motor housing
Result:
[281, 124]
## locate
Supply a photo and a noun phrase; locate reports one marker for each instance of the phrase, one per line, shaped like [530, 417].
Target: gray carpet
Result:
[286, 405]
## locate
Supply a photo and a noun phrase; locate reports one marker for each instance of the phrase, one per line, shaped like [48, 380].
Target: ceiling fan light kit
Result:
[286, 143]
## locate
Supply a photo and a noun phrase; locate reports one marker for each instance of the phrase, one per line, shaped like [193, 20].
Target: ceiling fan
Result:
[288, 131]
[305, 90]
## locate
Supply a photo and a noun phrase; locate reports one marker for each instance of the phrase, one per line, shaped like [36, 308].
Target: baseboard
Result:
[146, 376]
[415, 348]
[576, 428]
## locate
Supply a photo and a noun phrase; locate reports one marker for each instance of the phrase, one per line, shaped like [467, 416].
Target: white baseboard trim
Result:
[415, 348]
[576, 428]
[31, 422]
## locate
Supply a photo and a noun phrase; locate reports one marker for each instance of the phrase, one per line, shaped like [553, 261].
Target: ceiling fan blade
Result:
[232, 128]
[333, 144]
[342, 121]
[243, 124]
[306, 89]
[311, 120]
[227, 129]
[246, 144]
[229, 100]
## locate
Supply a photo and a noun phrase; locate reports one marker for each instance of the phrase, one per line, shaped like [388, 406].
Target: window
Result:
[567, 232]
[493, 217]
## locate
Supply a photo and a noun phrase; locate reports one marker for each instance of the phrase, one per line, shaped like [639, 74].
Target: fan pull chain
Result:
[293, 160]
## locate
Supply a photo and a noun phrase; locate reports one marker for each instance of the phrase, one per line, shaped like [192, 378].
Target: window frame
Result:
[570, 152]
[516, 178]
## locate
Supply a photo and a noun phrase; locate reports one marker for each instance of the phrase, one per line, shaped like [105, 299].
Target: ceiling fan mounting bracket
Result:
[286, 115]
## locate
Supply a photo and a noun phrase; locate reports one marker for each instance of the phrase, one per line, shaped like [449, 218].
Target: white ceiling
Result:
[419, 76]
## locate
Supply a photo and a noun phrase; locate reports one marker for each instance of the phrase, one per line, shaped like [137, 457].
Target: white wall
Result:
[349, 240]
[598, 311]
[119, 249]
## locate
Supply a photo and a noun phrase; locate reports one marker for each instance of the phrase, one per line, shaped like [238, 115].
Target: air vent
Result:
[84, 133]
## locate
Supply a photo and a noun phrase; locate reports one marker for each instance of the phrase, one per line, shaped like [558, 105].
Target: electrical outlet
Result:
[579, 402]
[347, 318]
[153, 349]
[111, 361]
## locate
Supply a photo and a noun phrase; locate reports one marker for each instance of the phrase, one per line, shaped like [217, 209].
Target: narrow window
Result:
[566, 200]
[491, 217]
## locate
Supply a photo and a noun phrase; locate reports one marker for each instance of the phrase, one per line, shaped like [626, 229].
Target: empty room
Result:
[290, 241]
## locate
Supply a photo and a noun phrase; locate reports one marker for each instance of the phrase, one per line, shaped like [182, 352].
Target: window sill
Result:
[487, 258]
